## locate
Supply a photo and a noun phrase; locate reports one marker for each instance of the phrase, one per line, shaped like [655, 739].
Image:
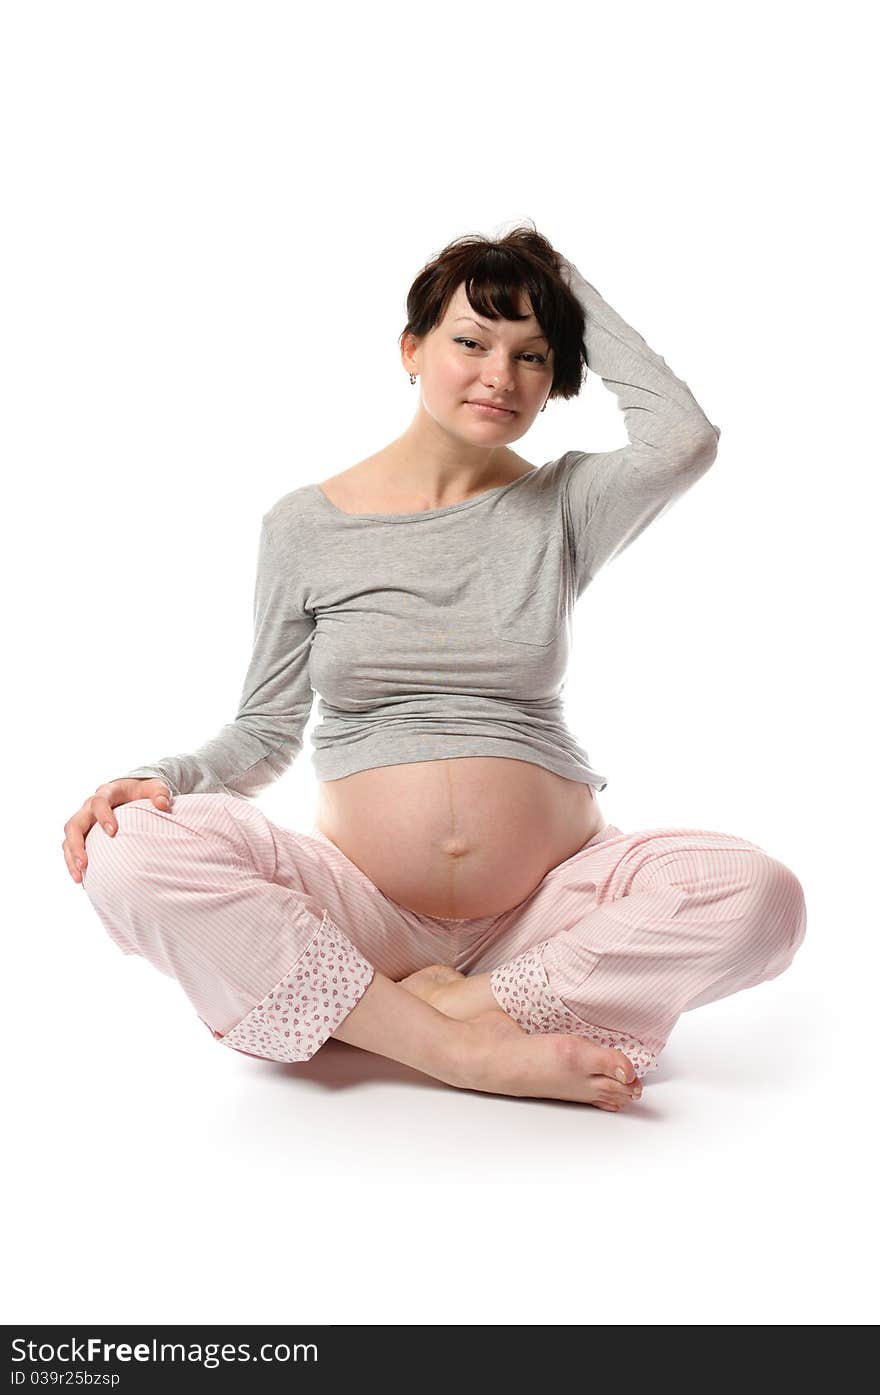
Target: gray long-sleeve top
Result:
[447, 632]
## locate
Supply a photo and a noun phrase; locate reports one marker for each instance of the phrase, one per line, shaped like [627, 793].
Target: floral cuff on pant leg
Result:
[523, 991]
[309, 1002]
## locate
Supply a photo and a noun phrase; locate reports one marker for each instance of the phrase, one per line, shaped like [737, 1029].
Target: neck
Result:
[429, 461]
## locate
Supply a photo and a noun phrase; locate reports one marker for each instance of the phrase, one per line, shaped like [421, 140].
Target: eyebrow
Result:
[488, 328]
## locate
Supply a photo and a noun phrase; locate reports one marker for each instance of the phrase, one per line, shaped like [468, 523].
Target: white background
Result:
[213, 215]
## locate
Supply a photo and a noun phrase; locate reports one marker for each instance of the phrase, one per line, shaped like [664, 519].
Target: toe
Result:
[619, 1094]
[621, 1067]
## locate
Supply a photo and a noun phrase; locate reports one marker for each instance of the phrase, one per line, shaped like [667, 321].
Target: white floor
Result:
[155, 1176]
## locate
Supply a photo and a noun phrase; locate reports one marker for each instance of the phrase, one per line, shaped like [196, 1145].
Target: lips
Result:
[493, 407]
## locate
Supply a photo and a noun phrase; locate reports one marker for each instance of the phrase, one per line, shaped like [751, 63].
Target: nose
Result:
[498, 375]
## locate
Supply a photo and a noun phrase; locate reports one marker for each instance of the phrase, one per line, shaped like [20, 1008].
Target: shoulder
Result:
[295, 510]
[348, 488]
[553, 477]
[362, 487]
[287, 515]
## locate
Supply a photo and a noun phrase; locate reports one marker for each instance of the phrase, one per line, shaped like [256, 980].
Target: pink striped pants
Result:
[274, 935]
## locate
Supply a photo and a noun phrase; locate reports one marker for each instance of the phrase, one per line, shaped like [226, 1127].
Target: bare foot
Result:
[549, 1065]
[454, 994]
[430, 984]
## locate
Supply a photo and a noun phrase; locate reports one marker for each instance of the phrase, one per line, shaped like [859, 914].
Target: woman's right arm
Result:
[265, 737]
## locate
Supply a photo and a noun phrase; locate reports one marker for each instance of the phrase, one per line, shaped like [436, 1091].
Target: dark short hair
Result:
[493, 270]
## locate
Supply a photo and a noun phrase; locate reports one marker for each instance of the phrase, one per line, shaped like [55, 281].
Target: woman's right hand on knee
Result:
[98, 808]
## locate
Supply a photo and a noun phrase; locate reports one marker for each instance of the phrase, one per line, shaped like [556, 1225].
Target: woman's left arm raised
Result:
[612, 496]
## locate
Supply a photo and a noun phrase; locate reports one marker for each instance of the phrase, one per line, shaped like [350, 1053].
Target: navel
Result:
[454, 846]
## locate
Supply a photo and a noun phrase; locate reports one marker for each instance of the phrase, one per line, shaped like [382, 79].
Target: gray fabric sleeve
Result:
[611, 497]
[256, 748]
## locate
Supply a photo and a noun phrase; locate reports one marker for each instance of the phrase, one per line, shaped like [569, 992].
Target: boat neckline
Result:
[426, 513]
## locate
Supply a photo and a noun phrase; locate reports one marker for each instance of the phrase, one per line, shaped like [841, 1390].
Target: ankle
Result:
[489, 1050]
[469, 1062]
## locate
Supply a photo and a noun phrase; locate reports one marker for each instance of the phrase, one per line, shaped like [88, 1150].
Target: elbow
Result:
[703, 448]
[691, 445]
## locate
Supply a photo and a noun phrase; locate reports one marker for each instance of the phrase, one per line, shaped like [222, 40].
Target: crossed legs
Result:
[279, 942]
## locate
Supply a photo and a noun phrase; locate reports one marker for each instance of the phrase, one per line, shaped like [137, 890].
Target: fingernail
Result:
[621, 1075]
[109, 827]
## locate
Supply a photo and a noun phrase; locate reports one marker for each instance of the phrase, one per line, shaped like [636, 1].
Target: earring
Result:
[412, 378]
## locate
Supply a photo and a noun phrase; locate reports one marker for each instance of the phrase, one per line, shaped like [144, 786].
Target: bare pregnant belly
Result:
[460, 838]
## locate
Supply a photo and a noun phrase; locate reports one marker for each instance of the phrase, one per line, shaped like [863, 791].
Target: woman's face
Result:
[468, 359]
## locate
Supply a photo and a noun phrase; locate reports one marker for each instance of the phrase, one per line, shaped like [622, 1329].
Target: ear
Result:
[409, 346]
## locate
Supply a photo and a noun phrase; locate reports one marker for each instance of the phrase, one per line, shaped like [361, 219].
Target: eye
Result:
[537, 358]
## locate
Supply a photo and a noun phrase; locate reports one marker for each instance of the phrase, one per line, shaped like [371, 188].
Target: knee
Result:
[129, 820]
[112, 859]
[778, 919]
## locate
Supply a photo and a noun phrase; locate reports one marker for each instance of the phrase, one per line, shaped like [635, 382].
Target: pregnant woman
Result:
[460, 905]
